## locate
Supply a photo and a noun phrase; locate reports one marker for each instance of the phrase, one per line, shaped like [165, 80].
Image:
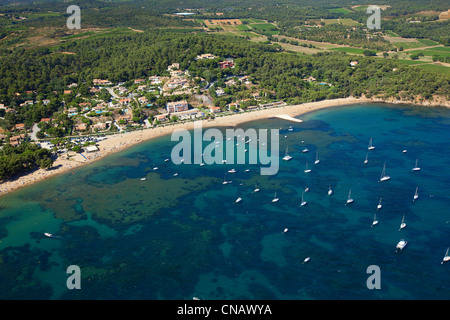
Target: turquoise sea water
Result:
[176, 237]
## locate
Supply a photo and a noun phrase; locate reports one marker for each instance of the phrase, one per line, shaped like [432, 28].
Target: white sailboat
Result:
[349, 198]
[275, 199]
[384, 177]
[403, 224]
[306, 260]
[224, 181]
[379, 206]
[367, 159]
[143, 179]
[446, 257]
[256, 189]
[317, 158]
[330, 191]
[306, 168]
[238, 200]
[370, 147]
[287, 157]
[375, 221]
[305, 150]
[416, 195]
[416, 168]
[401, 244]
[303, 201]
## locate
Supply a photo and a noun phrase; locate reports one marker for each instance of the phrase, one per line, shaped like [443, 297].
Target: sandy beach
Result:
[71, 161]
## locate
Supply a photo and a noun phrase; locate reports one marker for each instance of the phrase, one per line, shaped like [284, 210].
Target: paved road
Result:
[34, 131]
[111, 92]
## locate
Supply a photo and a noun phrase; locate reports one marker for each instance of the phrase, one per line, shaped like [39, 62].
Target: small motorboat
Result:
[401, 244]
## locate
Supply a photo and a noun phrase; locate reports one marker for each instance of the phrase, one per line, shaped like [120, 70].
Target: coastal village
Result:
[86, 120]
[112, 108]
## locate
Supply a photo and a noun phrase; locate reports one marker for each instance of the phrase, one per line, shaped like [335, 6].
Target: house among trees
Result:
[125, 102]
[215, 109]
[81, 127]
[27, 103]
[100, 82]
[173, 66]
[205, 56]
[162, 117]
[310, 79]
[72, 110]
[219, 92]
[226, 64]
[20, 126]
[99, 126]
[176, 73]
[155, 80]
[143, 100]
[16, 140]
[85, 105]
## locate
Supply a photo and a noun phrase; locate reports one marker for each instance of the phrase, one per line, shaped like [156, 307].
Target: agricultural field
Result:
[438, 68]
[243, 27]
[408, 44]
[340, 10]
[432, 52]
[345, 21]
[350, 50]
[428, 42]
[238, 25]
[411, 62]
